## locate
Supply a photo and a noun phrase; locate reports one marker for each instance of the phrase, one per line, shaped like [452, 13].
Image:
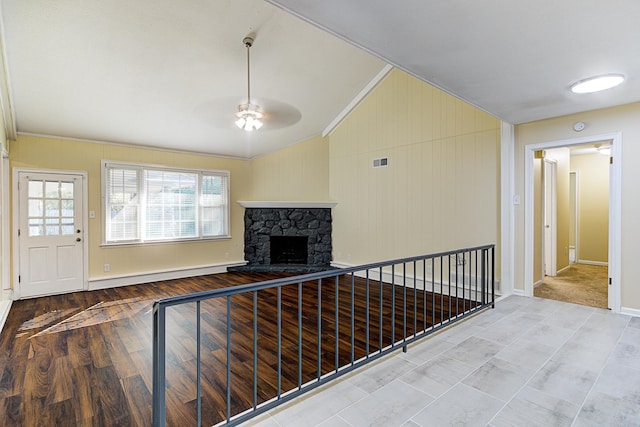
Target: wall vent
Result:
[381, 162]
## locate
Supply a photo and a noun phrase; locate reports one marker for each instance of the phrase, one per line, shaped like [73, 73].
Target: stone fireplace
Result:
[287, 236]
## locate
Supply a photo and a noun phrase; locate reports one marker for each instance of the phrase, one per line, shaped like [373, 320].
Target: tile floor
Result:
[528, 362]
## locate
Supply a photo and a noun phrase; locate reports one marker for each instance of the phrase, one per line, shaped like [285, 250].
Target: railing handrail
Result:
[266, 284]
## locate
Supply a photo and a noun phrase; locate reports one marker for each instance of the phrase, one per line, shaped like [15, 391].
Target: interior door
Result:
[50, 234]
[550, 218]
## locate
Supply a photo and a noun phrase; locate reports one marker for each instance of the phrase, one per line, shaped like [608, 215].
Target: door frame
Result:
[615, 210]
[15, 224]
[549, 218]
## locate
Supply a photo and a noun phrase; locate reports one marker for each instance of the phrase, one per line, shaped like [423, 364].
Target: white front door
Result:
[50, 234]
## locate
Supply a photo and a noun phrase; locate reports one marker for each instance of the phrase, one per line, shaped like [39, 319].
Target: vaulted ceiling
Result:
[170, 74]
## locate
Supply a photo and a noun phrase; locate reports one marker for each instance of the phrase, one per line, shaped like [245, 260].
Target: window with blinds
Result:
[145, 203]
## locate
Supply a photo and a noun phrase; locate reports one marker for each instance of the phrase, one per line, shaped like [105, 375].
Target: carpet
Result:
[580, 284]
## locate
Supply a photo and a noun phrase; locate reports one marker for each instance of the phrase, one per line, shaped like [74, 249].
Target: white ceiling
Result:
[169, 73]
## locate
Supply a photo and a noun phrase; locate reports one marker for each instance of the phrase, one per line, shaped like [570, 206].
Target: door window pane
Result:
[35, 207]
[52, 190]
[50, 208]
[35, 189]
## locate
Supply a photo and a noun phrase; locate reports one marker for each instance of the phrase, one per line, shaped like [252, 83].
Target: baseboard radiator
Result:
[259, 345]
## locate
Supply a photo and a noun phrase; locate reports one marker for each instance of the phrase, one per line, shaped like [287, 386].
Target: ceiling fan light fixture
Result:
[248, 117]
[597, 83]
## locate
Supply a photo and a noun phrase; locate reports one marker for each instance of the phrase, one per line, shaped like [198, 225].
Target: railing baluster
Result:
[470, 278]
[449, 282]
[366, 351]
[159, 364]
[441, 290]
[484, 277]
[433, 293]
[464, 289]
[228, 357]
[476, 281]
[198, 363]
[424, 294]
[279, 310]
[255, 349]
[353, 335]
[393, 305]
[319, 328]
[493, 277]
[337, 322]
[404, 301]
[457, 283]
[415, 300]
[380, 322]
[299, 335]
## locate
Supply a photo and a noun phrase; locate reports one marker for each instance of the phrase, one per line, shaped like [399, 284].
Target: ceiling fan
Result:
[251, 116]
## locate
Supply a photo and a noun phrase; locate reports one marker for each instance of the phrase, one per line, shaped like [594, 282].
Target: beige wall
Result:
[622, 119]
[593, 206]
[44, 153]
[441, 188]
[297, 173]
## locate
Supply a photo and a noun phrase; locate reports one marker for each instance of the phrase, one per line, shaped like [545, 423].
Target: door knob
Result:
[78, 239]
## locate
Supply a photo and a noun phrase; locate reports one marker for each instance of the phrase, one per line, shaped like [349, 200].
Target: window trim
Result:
[105, 164]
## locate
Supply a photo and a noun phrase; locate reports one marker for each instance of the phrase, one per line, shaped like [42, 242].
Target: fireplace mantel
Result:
[277, 204]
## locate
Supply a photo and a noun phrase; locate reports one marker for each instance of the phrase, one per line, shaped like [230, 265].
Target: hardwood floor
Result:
[85, 358]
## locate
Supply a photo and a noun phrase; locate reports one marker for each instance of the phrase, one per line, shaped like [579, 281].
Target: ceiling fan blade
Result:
[221, 113]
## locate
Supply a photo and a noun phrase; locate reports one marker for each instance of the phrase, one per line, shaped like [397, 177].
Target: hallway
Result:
[582, 284]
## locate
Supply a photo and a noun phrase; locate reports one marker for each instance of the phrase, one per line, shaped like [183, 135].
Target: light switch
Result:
[92, 214]
[516, 199]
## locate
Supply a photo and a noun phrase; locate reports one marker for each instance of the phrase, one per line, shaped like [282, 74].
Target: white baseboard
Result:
[341, 265]
[5, 306]
[562, 270]
[630, 311]
[535, 285]
[96, 283]
[518, 292]
[586, 261]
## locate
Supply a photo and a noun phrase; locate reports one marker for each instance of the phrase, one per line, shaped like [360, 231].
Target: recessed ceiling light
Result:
[598, 83]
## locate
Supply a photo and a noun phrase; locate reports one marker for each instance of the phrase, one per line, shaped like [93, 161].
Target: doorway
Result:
[49, 223]
[614, 210]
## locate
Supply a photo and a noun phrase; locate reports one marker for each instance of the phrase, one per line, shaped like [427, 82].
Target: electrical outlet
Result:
[226, 254]
[107, 267]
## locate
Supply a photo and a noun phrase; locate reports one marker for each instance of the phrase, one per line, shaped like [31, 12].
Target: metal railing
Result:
[288, 336]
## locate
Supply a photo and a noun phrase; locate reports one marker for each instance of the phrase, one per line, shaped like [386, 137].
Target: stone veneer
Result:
[262, 223]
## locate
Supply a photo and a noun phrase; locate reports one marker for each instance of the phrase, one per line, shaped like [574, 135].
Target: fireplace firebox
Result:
[289, 249]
